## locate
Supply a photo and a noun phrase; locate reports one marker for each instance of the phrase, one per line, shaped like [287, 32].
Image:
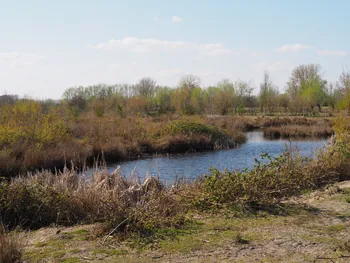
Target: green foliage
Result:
[241, 109]
[218, 138]
[270, 180]
[25, 122]
[189, 128]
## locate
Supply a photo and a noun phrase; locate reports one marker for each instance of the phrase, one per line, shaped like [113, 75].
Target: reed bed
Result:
[87, 137]
[68, 198]
[296, 131]
[132, 204]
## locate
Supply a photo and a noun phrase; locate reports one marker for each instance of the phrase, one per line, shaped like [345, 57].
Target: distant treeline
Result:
[306, 94]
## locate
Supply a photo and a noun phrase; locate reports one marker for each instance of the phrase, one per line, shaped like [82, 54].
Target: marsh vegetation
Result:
[45, 143]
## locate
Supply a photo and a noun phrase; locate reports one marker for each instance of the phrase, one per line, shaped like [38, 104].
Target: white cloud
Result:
[149, 44]
[326, 52]
[19, 60]
[292, 48]
[155, 19]
[177, 19]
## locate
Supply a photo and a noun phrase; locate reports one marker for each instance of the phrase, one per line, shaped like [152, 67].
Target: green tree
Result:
[226, 97]
[306, 86]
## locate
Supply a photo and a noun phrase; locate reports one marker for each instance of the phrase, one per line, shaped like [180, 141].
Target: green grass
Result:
[80, 232]
[71, 260]
[336, 228]
[216, 230]
[347, 199]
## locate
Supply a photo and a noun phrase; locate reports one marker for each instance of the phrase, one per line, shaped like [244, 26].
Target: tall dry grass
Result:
[296, 131]
[10, 248]
[296, 127]
[69, 198]
[88, 136]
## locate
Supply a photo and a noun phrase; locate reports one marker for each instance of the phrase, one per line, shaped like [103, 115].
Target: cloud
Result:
[177, 19]
[292, 48]
[326, 52]
[155, 19]
[20, 60]
[150, 44]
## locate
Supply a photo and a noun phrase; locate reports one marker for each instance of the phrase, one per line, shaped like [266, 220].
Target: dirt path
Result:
[319, 232]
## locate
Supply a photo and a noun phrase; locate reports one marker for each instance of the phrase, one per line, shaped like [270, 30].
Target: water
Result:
[194, 164]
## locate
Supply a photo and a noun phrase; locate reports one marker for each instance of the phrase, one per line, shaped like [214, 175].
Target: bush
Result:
[216, 138]
[270, 180]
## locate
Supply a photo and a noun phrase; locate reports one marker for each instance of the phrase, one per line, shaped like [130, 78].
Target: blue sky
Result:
[48, 46]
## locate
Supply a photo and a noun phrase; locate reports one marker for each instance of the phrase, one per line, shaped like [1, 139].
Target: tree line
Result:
[307, 93]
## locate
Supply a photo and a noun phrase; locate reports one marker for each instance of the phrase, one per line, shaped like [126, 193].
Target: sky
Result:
[49, 46]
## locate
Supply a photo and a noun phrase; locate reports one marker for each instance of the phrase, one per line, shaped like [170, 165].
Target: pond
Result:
[193, 164]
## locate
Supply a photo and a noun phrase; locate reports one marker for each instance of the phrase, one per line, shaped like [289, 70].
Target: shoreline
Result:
[116, 150]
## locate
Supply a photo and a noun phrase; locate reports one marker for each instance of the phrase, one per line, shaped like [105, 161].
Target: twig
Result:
[113, 230]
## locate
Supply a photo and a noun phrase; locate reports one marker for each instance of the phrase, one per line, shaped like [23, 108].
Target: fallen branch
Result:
[113, 230]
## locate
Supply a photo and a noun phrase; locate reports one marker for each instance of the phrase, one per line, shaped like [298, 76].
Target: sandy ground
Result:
[317, 232]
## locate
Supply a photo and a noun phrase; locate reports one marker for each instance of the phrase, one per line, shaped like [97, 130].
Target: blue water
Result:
[194, 164]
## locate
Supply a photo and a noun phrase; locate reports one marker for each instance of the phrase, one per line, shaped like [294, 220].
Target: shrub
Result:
[216, 138]
[270, 180]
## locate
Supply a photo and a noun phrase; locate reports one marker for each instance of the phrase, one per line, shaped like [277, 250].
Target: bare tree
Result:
[344, 87]
[268, 93]
[146, 87]
[344, 82]
[190, 81]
